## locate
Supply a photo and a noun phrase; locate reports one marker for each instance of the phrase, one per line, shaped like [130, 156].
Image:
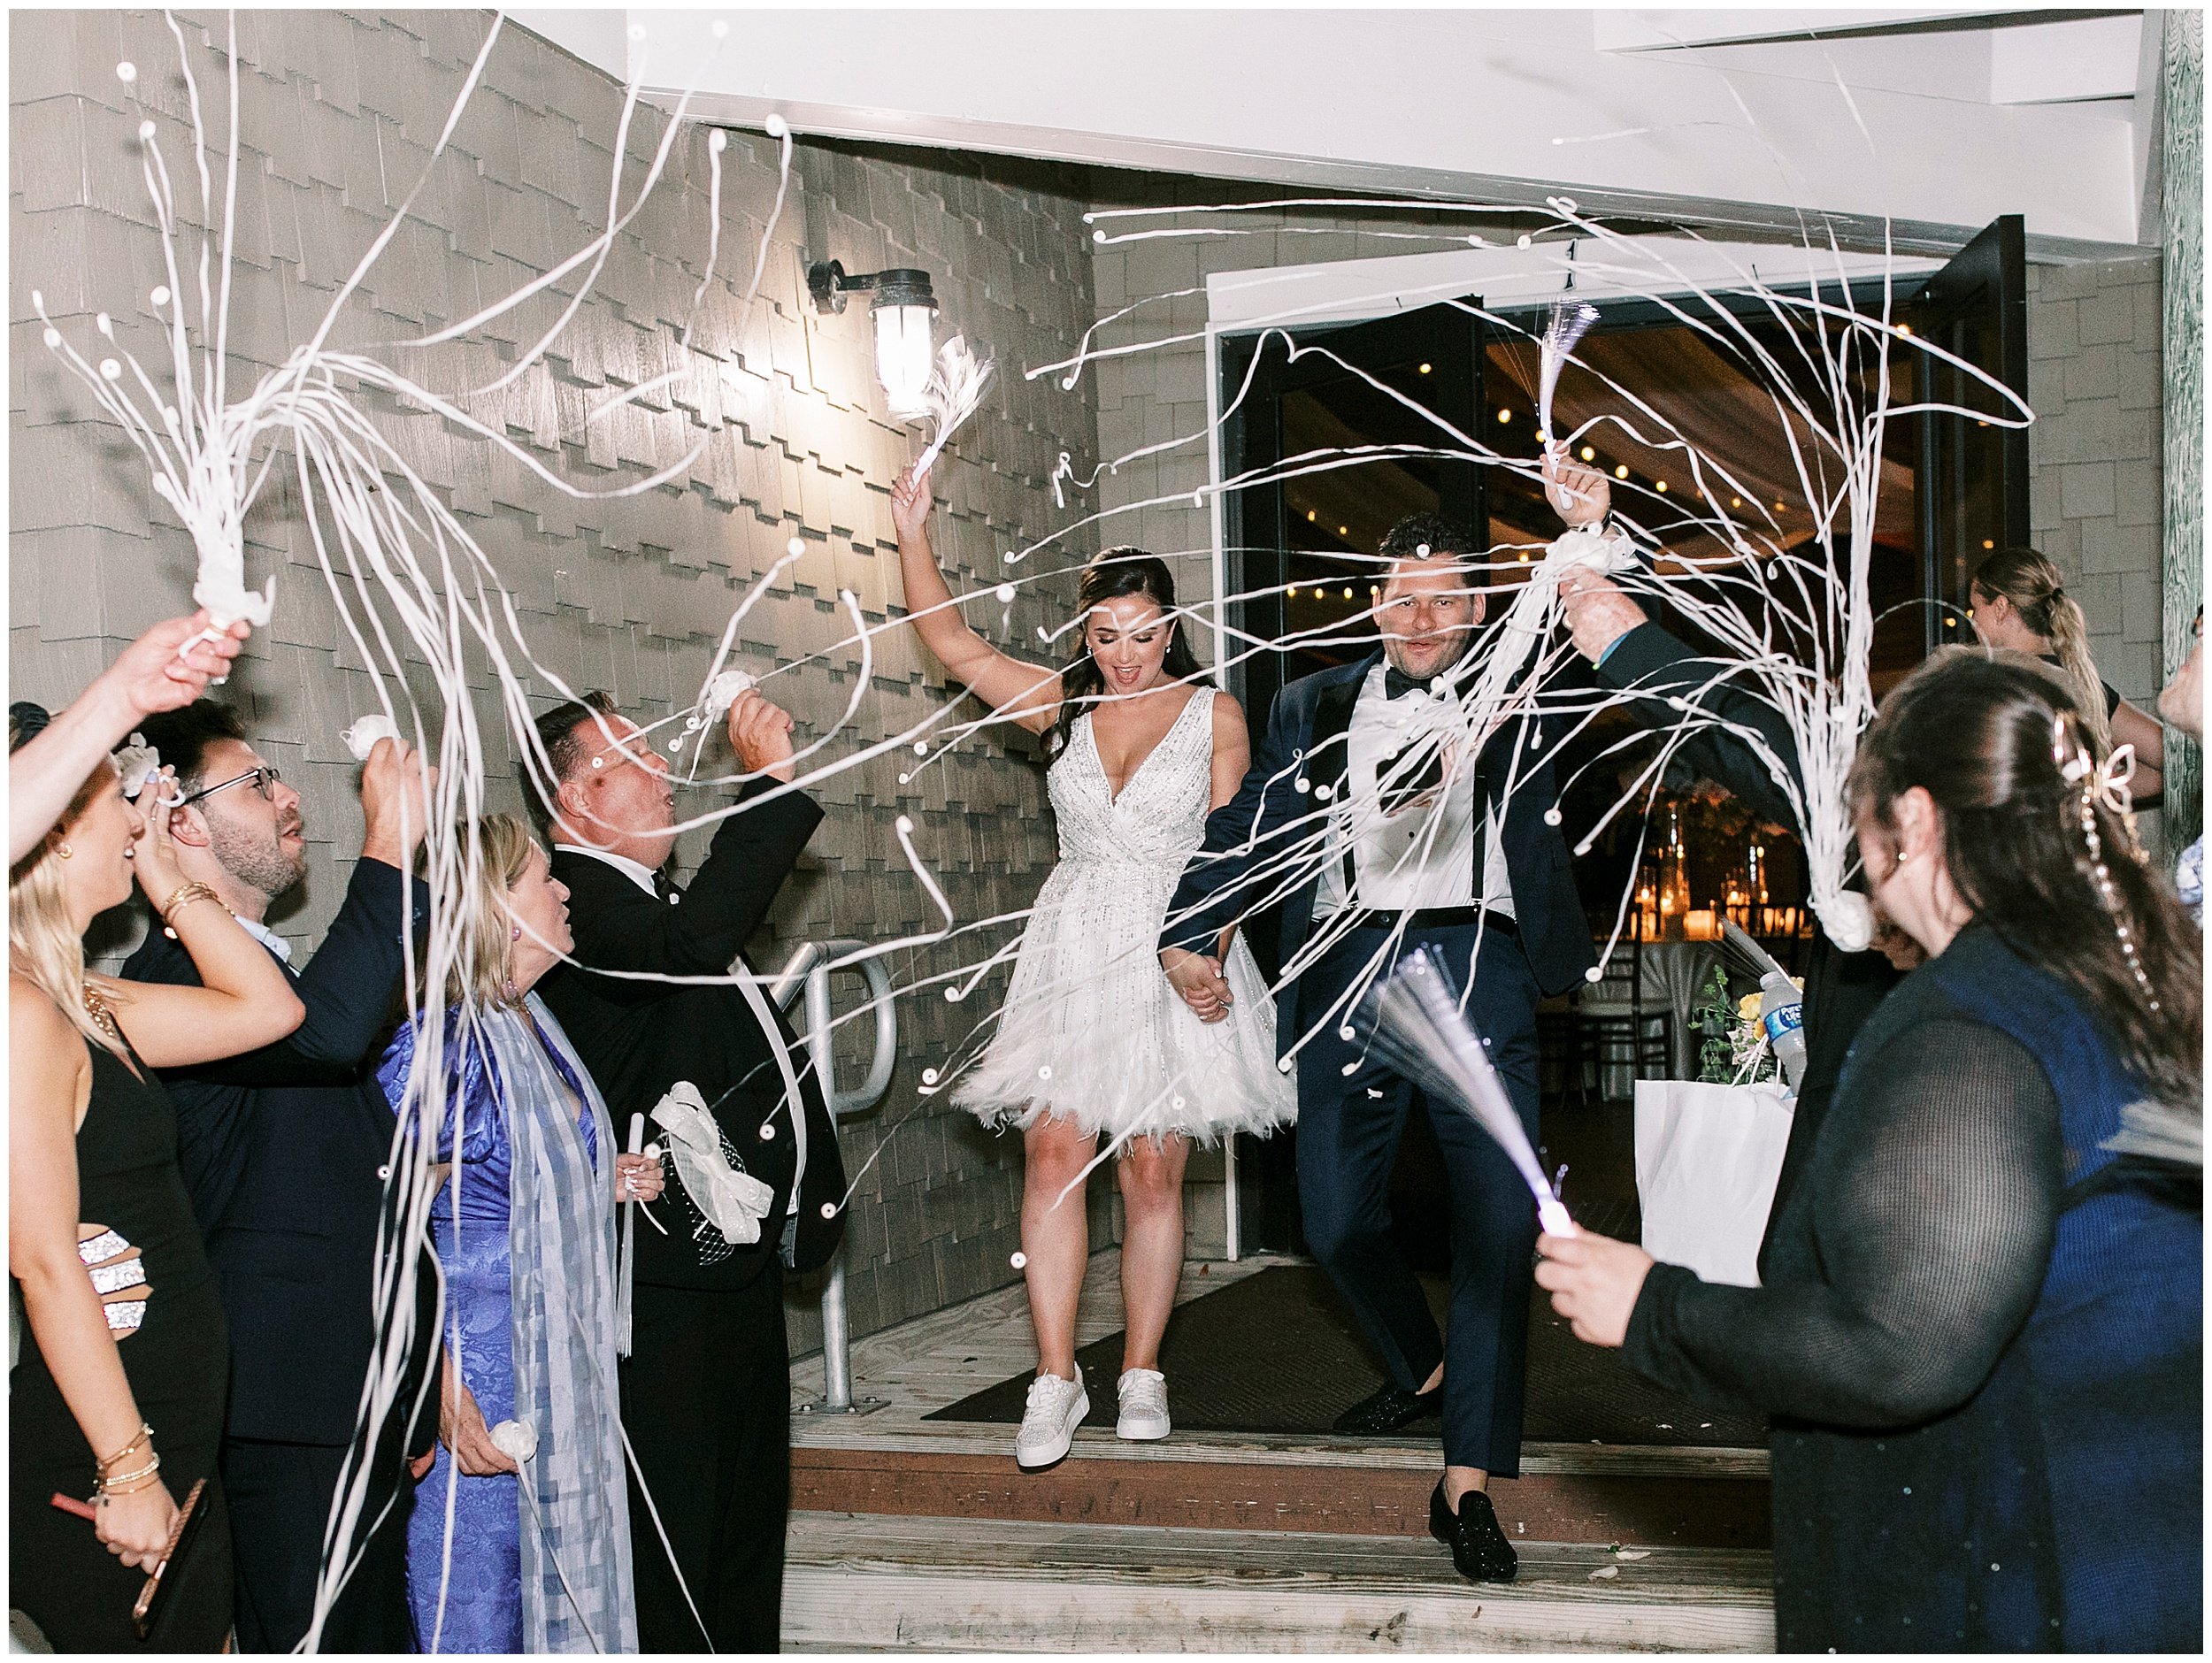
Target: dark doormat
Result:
[1278, 1352]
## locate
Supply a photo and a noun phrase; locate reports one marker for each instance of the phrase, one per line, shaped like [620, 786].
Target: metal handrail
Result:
[808, 969]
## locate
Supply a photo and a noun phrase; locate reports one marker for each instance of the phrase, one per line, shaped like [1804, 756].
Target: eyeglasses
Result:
[264, 780]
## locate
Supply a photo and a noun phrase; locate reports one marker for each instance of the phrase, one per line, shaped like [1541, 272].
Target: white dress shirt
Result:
[268, 938]
[1421, 857]
[636, 871]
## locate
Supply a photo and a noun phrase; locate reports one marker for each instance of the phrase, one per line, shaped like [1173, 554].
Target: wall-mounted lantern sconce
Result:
[904, 309]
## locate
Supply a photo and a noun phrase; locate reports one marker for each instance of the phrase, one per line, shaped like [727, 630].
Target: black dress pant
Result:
[1352, 1110]
[706, 1398]
[280, 1503]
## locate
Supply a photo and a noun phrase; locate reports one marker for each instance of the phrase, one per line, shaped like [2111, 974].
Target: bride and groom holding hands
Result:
[1370, 833]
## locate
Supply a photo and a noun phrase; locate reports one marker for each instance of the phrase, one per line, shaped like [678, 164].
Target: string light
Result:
[1621, 473]
[1661, 486]
[1426, 368]
[1505, 416]
[1589, 452]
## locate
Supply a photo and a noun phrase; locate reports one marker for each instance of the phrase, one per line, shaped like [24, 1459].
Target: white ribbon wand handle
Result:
[629, 1224]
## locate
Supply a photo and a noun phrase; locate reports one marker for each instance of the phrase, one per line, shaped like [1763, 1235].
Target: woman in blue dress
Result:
[522, 1542]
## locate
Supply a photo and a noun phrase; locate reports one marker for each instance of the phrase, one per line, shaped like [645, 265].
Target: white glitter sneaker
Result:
[1056, 1408]
[1143, 1393]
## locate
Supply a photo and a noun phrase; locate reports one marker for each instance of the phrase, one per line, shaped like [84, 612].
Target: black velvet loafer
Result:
[1480, 1550]
[1388, 1410]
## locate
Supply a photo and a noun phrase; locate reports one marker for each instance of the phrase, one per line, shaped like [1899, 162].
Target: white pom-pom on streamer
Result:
[362, 736]
[723, 692]
[137, 763]
[954, 390]
[1849, 918]
[516, 1438]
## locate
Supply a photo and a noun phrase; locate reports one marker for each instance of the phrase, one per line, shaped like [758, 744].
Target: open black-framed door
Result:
[1970, 475]
[1299, 588]
[1300, 543]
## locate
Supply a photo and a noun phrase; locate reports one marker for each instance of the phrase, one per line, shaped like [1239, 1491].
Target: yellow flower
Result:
[1748, 1008]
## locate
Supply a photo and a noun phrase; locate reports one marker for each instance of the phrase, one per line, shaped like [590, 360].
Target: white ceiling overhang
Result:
[1916, 126]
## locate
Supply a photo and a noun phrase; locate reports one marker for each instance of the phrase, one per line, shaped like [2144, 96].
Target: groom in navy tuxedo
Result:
[1363, 816]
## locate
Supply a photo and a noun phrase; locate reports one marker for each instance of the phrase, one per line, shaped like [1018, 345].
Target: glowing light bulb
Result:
[1589, 452]
[1661, 485]
[1426, 368]
[1621, 473]
[1504, 415]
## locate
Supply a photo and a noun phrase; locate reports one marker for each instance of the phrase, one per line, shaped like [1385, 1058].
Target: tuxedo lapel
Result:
[1327, 745]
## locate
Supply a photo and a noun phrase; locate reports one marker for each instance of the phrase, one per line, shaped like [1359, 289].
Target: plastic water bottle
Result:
[1782, 1014]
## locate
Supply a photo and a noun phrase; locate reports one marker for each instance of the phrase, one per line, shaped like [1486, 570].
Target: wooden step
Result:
[1717, 1505]
[857, 1582]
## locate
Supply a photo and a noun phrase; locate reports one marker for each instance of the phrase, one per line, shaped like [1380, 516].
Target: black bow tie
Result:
[665, 886]
[1396, 684]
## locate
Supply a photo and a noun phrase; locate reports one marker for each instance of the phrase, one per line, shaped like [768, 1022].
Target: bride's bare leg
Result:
[1055, 1237]
[1152, 1243]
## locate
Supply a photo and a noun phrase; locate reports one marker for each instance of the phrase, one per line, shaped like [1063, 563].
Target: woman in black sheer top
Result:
[1979, 1341]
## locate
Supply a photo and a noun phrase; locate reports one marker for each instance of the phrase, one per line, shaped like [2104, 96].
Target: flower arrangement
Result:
[1735, 1050]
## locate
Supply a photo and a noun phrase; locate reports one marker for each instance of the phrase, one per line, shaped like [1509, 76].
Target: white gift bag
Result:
[1707, 1159]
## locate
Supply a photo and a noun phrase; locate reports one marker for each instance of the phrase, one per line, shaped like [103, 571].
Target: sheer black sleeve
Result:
[1931, 1201]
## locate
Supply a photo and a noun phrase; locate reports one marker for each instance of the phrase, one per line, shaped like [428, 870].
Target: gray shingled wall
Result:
[339, 111]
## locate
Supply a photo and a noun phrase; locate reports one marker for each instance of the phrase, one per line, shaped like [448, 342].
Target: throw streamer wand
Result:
[954, 390]
[1421, 1032]
[1570, 320]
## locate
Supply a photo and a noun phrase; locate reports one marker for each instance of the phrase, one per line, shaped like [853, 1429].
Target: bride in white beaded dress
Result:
[1091, 1039]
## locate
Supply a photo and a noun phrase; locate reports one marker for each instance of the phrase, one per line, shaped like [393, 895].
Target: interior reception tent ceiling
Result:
[1925, 124]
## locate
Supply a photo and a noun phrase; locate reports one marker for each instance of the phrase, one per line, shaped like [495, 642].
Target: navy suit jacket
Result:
[640, 1037]
[283, 1151]
[1265, 844]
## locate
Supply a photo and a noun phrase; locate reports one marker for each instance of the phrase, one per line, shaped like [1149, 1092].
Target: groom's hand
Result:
[1197, 978]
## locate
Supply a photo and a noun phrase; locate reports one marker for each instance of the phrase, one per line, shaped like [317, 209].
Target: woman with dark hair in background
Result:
[119, 1396]
[523, 1544]
[2020, 601]
[1090, 1040]
[1980, 1336]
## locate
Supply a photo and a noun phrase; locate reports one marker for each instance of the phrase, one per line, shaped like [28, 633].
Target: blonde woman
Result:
[501, 1558]
[118, 1395]
[2020, 601]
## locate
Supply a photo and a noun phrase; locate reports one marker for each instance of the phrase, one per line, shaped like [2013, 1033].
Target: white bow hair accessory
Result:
[734, 1202]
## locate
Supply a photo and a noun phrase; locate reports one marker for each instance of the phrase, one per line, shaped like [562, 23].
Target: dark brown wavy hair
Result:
[1117, 572]
[1978, 734]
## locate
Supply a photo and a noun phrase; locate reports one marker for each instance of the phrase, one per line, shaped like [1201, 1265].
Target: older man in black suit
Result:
[706, 1389]
[285, 1152]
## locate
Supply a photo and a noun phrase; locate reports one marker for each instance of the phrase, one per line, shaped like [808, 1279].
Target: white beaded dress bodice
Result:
[1160, 817]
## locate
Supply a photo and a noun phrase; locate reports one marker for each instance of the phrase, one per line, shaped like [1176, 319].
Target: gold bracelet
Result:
[186, 894]
[127, 1484]
[140, 1436]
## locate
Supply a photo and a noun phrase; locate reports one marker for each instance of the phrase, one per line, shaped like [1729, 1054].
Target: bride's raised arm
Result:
[1015, 690]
